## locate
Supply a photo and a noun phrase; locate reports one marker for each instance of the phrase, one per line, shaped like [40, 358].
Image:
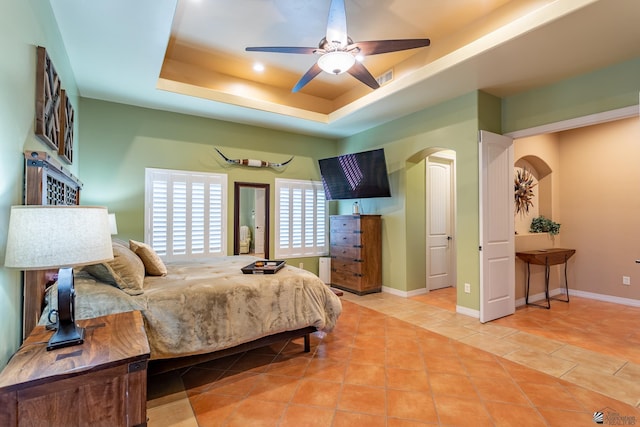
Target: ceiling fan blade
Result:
[283, 49]
[361, 73]
[337, 23]
[375, 47]
[308, 76]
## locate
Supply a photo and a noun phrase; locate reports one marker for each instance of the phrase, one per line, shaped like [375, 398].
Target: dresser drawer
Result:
[347, 252]
[345, 239]
[347, 265]
[346, 279]
[344, 225]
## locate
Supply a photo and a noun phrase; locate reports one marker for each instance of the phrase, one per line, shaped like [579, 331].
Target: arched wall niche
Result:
[543, 191]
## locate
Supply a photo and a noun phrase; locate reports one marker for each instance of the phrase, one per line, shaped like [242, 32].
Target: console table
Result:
[546, 257]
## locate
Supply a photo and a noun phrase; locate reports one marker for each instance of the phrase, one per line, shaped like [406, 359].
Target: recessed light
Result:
[258, 67]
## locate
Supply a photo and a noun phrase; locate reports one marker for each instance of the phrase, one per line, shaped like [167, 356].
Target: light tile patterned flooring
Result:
[394, 361]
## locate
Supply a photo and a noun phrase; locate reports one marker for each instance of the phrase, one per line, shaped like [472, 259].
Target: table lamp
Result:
[113, 226]
[46, 237]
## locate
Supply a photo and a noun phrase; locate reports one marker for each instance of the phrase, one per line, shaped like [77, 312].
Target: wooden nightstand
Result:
[102, 382]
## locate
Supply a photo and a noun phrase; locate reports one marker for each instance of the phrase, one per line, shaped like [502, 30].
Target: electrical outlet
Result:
[467, 288]
[301, 265]
[626, 280]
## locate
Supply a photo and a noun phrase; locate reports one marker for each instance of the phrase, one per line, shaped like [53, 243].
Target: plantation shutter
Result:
[301, 219]
[185, 213]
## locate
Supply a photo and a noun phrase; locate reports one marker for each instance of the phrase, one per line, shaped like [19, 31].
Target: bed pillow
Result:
[126, 270]
[153, 264]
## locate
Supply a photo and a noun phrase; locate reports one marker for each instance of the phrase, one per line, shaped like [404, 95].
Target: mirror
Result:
[251, 219]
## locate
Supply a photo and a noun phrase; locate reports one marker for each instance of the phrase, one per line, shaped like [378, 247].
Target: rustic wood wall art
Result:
[65, 150]
[48, 91]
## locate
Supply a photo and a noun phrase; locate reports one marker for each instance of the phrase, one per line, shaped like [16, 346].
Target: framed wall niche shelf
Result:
[48, 94]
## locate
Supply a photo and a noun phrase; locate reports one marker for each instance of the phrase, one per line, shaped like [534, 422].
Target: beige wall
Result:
[600, 205]
[595, 196]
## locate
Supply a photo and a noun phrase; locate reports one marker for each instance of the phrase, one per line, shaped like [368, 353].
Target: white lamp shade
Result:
[113, 226]
[44, 237]
[336, 62]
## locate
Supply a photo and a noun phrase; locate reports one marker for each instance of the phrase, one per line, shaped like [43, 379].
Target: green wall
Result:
[607, 89]
[120, 141]
[407, 142]
[23, 26]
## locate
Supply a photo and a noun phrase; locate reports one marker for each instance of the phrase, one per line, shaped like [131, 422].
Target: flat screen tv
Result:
[355, 176]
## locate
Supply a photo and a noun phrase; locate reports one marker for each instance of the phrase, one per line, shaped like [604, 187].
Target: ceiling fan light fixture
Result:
[336, 62]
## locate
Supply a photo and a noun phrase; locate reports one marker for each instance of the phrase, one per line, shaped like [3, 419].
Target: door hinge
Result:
[479, 248]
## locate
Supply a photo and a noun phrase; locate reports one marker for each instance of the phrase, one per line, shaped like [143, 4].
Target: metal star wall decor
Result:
[523, 186]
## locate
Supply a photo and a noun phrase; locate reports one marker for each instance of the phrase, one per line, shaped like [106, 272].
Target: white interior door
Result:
[439, 222]
[497, 241]
[259, 221]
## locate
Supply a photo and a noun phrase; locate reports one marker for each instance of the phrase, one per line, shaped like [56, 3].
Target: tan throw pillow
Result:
[153, 264]
[126, 270]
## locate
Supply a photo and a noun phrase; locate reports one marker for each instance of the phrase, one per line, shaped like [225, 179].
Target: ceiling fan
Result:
[338, 52]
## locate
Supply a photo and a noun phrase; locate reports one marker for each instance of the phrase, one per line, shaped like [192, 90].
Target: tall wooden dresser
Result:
[356, 253]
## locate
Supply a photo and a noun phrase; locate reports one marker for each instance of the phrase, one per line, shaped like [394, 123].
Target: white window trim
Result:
[219, 247]
[318, 243]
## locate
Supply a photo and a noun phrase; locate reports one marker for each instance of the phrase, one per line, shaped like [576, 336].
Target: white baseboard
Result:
[582, 294]
[540, 296]
[407, 294]
[607, 298]
[521, 301]
[468, 311]
[404, 294]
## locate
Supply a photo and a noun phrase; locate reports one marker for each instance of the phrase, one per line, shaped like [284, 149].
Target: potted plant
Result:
[544, 225]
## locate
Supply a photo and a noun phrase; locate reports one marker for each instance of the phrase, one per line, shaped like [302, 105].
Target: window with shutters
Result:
[185, 213]
[301, 219]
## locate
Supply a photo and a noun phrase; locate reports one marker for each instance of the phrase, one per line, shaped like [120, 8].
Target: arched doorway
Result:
[420, 217]
[440, 213]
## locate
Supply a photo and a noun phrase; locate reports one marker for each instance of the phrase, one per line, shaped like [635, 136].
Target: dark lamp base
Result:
[67, 333]
[66, 336]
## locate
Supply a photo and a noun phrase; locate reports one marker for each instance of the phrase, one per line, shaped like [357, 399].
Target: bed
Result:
[193, 310]
[197, 308]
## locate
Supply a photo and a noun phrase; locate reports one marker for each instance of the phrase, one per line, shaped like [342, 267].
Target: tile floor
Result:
[394, 361]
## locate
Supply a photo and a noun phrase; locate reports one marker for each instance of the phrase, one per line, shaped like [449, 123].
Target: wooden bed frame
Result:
[48, 183]
[159, 366]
